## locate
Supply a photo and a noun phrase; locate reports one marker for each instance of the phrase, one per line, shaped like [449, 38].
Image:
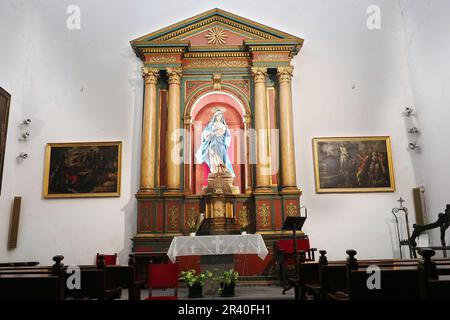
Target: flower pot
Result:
[195, 291]
[192, 234]
[227, 290]
[243, 233]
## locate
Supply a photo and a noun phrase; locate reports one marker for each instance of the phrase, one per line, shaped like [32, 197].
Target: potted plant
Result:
[195, 281]
[227, 282]
[192, 223]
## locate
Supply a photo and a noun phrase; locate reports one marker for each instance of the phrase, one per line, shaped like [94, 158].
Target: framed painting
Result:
[84, 169]
[358, 164]
[5, 99]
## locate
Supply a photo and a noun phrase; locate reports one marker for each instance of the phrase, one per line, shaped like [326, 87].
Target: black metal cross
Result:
[401, 202]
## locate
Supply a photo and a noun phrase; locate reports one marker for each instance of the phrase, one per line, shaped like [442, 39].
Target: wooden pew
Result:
[400, 279]
[434, 276]
[333, 282]
[102, 282]
[33, 283]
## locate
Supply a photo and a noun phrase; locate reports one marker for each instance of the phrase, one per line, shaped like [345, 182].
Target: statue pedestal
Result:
[218, 204]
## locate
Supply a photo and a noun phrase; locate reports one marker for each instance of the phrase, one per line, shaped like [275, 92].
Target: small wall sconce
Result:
[409, 112]
[25, 135]
[23, 155]
[26, 121]
[414, 131]
[413, 146]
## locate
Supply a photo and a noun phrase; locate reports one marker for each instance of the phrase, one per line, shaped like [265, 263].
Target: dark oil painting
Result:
[4, 114]
[362, 164]
[82, 170]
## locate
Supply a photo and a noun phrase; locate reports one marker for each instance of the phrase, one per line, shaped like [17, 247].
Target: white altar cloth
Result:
[217, 245]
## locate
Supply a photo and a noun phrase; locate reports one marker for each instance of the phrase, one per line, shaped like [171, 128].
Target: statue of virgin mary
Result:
[216, 139]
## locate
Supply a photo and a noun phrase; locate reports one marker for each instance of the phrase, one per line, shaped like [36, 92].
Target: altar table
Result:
[217, 245]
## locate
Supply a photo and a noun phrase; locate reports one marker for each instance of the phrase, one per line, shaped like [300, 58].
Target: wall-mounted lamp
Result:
[414, 131]
[26, 121]
[23, 155]
[409, 112]
[25, 135]
[413, 146]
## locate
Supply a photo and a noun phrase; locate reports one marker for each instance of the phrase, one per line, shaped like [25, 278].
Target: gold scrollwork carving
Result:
[292, 210]
[243, 217]
[162, 59]
[173, 217]
[217, 64]
[264, 213]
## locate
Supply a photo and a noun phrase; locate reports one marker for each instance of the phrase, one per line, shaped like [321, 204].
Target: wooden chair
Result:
[285, 256]
[108, 259]
[163, 276]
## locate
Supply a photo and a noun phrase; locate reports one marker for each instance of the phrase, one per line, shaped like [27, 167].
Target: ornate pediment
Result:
[216, 30]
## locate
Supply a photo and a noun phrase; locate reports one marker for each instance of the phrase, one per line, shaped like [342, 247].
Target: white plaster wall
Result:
[428, 48]
[85, 85]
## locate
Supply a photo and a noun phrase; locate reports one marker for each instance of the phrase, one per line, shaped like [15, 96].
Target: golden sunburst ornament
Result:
[216, 36]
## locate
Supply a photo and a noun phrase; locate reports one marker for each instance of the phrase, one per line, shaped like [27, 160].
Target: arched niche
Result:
[199, 112]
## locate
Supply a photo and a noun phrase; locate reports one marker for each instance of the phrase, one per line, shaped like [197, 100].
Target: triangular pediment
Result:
[216, 29]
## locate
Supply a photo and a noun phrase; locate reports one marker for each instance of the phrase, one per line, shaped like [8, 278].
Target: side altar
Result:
[217, 94]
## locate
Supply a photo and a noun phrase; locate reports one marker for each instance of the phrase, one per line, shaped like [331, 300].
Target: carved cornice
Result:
[175, 75]
[285, 73]
[150, 75]
[259, 73]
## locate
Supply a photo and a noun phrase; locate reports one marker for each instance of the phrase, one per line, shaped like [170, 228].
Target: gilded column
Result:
[173, 160]
[148, 141]
[288, 174]
[262, 156]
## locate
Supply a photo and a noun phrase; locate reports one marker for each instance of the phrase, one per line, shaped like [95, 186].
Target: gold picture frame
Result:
[353, 164]
[82, 169]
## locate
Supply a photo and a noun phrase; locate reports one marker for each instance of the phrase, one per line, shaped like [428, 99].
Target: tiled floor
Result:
[242, 293]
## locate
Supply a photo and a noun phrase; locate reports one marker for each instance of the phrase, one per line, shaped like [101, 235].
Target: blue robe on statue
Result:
[216, 139]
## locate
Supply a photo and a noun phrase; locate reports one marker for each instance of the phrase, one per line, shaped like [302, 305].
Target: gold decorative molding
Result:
[175, 75]
[217, 55]
[217, 64]
[162, 59]
[259, 74]
[150, 75]
[162, 50]
[216, 36]
[285, 73]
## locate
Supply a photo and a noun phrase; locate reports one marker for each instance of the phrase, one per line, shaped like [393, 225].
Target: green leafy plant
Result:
[191, 277]
[227, 278]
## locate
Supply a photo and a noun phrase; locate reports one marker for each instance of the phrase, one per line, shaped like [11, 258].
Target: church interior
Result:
[224, 150]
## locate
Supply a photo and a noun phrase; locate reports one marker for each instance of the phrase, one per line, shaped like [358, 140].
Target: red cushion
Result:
[288, 245]
[109, 259]
[164, 275]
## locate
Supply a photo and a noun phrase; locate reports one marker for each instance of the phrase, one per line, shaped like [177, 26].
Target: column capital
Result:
[175, 75]
[259, 73]
[285, 73]
[150, 75]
